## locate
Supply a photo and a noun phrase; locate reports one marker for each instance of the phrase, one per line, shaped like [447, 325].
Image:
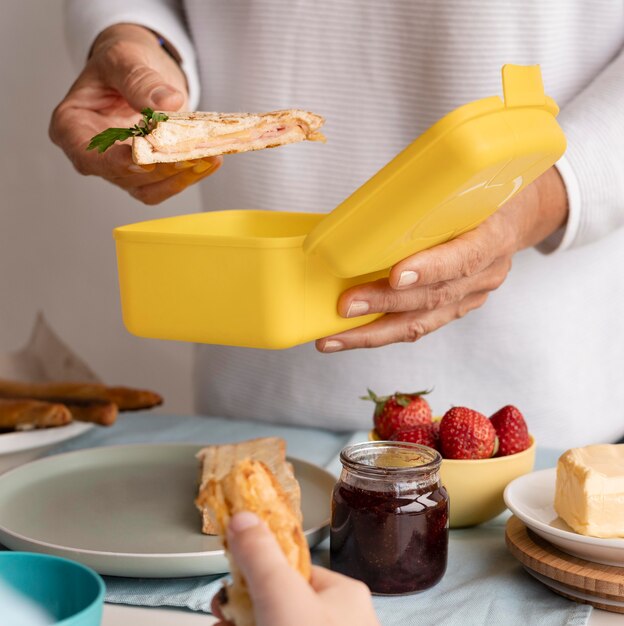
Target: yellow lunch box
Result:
[271, 279]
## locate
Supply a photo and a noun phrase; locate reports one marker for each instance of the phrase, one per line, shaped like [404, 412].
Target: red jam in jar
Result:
[389, 525]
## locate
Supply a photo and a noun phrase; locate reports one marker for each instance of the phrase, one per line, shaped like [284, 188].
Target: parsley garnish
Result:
[109, 136]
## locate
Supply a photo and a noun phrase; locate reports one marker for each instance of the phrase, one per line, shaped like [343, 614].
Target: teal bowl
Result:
[72, 594]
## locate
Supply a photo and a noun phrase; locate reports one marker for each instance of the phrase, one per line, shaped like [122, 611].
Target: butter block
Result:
[589, 493]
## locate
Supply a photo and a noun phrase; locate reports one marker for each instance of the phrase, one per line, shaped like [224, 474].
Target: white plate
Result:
[531, 497]
[17, 448]
[577, 594]
[129, 510]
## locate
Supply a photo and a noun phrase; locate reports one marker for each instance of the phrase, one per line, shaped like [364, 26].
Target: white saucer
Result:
[577, 594]
[21, 447]
[530, 497]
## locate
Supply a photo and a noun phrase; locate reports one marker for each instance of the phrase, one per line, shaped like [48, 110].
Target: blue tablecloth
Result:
[484, 584]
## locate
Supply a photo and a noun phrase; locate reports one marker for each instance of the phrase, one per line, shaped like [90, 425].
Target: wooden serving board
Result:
[604, 584]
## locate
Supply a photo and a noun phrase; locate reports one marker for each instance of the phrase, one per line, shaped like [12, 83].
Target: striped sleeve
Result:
[593, 167]
[85, 20]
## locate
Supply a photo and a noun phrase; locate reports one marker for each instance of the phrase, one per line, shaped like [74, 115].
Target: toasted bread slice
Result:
[251, 486]
[217, 461]
[186, 136]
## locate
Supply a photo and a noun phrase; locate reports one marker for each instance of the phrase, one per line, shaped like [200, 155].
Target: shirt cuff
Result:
[562, 238]
[86, 20]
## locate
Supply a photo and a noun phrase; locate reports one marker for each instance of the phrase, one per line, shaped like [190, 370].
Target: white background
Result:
[56, 250]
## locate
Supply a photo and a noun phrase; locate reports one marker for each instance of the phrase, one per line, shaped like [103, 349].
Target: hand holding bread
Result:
[279, 597]
[251, 486]
[120, 54]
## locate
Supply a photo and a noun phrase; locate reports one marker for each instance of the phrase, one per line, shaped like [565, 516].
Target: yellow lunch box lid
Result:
[451, 178]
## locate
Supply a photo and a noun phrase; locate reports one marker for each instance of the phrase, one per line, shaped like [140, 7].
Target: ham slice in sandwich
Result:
[186, 136]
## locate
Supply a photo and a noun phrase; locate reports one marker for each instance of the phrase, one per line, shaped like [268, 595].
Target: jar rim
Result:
[351, 457]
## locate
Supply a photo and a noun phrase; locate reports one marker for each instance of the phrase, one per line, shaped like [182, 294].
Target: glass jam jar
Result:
[389, 523]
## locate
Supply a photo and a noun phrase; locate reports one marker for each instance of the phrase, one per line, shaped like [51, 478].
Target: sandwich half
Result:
[251, 486]
[218, 460]
[186, 136]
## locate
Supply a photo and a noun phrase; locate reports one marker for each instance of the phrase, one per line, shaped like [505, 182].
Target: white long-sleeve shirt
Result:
[551, 339]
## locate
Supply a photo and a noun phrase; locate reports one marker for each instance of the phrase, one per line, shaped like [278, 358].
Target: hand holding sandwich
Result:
[127, 71]
[280, 596]
[436, 286]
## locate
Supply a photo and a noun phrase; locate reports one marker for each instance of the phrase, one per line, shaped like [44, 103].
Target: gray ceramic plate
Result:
[128, 510]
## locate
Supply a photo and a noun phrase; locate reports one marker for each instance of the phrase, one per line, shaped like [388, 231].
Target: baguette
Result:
[96, 412]
[251, 486]
[217, 461]
[29, 414]
[125, 398]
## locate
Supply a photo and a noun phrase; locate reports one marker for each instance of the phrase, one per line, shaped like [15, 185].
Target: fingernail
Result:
[182, 165]
[140, 169]
[358, 307]
[202, 167]
[242, 521]
[160, 95]
[408, 277]
[333, 345]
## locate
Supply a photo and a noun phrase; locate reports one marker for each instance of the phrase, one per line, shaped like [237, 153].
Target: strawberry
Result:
[400, 410]
[512, 431]
[423, 434]
[466, 434]
[436, 428]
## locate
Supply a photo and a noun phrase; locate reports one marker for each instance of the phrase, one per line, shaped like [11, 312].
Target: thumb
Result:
[261, 560]
[141, 85]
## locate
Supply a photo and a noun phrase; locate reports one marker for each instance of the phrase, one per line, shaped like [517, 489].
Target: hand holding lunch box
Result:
[267, 279]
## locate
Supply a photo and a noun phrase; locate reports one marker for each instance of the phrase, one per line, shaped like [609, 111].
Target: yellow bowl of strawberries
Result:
[480, 455]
